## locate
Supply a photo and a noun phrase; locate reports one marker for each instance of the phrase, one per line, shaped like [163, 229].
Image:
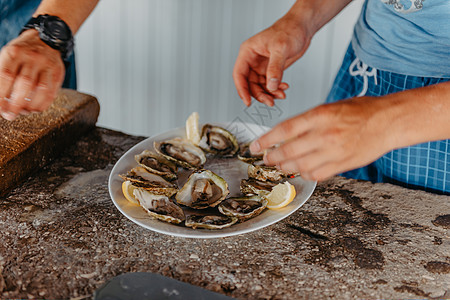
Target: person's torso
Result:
[410, 37]
[13, 16]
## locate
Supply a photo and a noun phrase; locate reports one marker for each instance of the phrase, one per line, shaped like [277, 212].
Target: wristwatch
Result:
[54, 32]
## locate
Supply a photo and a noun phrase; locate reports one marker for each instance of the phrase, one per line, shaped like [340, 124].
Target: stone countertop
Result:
[62, 237]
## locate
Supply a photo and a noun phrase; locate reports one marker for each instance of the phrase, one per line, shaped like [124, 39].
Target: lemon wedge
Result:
[128, 189]
[281, 195]
[192, 130]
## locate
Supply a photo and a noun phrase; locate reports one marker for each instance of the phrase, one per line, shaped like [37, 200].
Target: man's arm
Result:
[314, 14]
[348, 134]
[262, 59]
[73, 12]
[31, 72]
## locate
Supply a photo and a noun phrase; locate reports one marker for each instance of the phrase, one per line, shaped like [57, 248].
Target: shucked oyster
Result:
[210, 221]
[181, 152]
[217, 140]
[140, 177]
[245, 155]
[243, 208]
[203, 189]
[157, 164]
[159, 206]
[256, 187]
[262, 172]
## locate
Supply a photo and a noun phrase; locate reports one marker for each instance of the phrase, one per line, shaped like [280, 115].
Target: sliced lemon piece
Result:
[281, 195]
[128, 189]
[192, 130]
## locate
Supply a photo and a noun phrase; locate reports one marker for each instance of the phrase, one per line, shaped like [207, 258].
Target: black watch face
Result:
[57, 29]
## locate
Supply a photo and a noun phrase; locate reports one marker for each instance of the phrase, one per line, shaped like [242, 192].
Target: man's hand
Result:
[31, 74]
[262, 59]
[329, 139]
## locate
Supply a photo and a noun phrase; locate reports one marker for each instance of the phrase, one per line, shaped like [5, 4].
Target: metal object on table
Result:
[142, 286]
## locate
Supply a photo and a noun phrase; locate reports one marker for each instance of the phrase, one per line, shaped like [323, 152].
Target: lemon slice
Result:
[192, 130]
[128, 189]
[281, 195]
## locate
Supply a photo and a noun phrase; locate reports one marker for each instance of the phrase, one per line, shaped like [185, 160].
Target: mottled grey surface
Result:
[62, 237]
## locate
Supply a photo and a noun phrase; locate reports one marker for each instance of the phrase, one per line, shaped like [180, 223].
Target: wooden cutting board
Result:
[30, 142]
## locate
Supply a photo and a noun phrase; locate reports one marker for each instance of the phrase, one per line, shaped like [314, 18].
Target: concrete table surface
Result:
[62, 237]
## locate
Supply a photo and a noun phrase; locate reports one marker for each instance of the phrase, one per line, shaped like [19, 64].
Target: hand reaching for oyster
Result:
[203, 200]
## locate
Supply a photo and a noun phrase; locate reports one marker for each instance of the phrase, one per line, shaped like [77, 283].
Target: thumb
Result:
[275, 70]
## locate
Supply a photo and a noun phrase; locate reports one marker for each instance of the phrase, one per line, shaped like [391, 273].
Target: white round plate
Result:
[231, 169]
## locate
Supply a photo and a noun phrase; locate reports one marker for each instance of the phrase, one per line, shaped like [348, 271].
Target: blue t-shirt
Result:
[14, 14]
[410, 37]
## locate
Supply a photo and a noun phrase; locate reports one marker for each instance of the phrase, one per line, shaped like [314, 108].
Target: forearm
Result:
[417, 116]
[73, 12]
[313, 14]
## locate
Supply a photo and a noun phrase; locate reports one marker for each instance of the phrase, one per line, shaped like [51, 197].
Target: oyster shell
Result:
[210, 221]
[256, 187]
[218, 140]
[245, 155]
[140, 177]
[203, 189]
[157, 164]
[243, 208]
[159, 206]
[260, 171]
[181, 152]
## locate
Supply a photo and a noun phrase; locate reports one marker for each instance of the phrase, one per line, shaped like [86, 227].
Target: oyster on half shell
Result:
[243, 208]
[218, 140]
[140, 177]
[210, 221]
[245, 155]
[182, 152]
[260, 171]
[203, 189]
[256, 187]
[159, 206]
[157, 164]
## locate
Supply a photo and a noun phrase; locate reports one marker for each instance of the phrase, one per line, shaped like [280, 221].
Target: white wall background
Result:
[151, 63]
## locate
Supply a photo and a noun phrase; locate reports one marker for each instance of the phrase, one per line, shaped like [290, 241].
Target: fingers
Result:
[22, 89]
[43, 94]
[278, 94]
[240, 76]
[257, 91]
[284, 131]
[275, 70]
[292, 149]
[8, 71]
[316, 165]
[283, 86]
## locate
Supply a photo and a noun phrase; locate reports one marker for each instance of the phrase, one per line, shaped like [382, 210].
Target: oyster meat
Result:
[256, 187]
[210, 221]
[245, 155]
[203, 189]
[218, 140]
[159, 206]
[140, 177]
[182, 152]
[260, 171]
[157, 164]
[243, 208]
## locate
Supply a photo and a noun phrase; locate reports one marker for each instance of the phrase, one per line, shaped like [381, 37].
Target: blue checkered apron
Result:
[424, 166]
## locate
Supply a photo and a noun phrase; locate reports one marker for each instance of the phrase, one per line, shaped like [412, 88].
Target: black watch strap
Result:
[54, 32]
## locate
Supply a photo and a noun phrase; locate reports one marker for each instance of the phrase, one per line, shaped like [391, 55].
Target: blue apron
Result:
[13, 16]
[424, 166]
